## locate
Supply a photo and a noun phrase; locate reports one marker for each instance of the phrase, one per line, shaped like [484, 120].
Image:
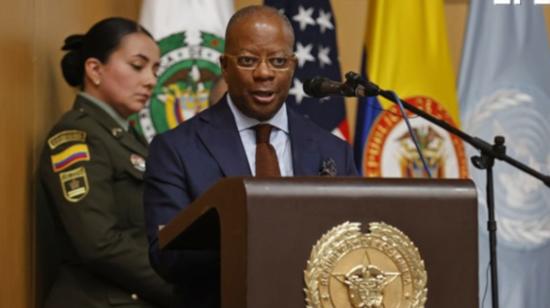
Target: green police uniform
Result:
[91, 171]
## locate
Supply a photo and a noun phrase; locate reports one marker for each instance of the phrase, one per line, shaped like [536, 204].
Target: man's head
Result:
[258, 62]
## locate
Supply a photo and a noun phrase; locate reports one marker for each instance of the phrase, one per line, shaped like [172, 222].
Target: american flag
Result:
[317, 54]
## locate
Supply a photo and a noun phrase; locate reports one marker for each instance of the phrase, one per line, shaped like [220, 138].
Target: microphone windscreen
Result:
[312, 86]
[321, 87]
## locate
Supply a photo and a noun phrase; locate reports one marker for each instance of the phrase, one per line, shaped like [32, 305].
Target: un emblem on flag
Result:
[379, 269]
[188, 71]
[520, 114]
[390, 151]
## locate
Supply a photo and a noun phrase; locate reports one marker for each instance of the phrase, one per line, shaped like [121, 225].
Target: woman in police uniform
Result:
[91, 171]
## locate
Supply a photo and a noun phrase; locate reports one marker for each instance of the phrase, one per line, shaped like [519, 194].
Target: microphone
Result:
[321, 87]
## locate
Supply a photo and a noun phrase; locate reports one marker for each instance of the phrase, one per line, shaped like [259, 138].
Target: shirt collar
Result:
[279, 120]
[108, 109]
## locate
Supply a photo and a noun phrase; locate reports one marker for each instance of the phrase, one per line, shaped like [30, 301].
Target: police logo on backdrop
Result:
[520, 114]
[188, 70]
[390, 151]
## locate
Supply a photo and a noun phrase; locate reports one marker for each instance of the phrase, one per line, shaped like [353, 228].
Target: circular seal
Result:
[189, 68]
[390, 151]
[382, 268]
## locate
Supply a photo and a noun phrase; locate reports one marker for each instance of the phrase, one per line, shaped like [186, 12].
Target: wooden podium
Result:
[265, 230]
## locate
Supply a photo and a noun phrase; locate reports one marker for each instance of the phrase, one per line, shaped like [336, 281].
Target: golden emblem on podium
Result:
[350, 269]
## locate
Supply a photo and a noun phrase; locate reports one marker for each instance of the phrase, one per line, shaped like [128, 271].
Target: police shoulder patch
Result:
[74, 184]
[66, 136]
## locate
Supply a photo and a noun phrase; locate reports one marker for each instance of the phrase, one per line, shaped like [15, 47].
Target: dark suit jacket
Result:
[185, 162]
[100, 230]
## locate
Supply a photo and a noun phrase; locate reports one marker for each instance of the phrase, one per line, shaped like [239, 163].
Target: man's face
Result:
[258, 65]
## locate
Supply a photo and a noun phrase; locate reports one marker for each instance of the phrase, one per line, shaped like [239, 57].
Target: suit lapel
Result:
[106, 121]
[305, 153]
[222, 139]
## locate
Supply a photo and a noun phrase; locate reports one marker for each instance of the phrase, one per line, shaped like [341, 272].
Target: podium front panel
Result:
[285, 221]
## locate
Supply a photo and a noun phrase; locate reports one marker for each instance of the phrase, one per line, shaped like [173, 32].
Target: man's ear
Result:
[223, 65]
[223, 62]
[93, 70]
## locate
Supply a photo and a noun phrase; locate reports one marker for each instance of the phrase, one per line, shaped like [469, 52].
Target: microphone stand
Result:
[484, 161]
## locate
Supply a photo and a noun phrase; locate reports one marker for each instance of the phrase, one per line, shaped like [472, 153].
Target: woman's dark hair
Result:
[99, 42]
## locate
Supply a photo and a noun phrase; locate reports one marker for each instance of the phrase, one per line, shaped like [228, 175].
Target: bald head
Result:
[258, 13]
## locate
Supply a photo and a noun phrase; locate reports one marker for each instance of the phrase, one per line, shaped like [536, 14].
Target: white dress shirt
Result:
[279, 138]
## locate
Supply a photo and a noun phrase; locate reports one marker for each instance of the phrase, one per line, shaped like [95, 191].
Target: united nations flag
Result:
[504, 91]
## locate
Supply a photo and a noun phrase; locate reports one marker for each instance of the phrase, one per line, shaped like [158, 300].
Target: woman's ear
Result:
[93, 70]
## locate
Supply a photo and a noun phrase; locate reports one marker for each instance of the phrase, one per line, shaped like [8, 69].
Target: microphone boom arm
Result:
[370, 89]
[484, 161]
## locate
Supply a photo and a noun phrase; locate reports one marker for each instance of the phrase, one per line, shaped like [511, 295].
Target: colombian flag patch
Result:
[70, 156]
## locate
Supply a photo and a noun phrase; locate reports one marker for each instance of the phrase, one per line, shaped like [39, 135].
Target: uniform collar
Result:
[98, 114]
[107, 108]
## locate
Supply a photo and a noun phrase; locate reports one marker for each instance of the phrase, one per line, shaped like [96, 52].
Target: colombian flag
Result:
[407, 51]
[70, 156]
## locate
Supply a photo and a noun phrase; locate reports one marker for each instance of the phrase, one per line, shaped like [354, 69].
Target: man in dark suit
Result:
[258, 65]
